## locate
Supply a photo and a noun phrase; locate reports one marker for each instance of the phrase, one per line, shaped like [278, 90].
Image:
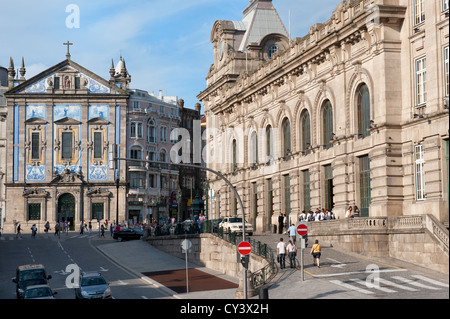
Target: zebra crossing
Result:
[63, 236]
[395, 284]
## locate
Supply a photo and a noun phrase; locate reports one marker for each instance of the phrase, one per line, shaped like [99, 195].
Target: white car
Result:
[234, 224]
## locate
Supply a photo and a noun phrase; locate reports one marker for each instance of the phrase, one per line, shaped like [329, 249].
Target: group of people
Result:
[291, 250]
[317, 215]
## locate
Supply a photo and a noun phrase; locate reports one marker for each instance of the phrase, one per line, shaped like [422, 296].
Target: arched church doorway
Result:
[66, 209]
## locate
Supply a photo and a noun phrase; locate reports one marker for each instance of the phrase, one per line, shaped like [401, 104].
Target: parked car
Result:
[39, 292]
[215, 224]
[127, 234]
[29, 275]
[92, 285]
[234, 224]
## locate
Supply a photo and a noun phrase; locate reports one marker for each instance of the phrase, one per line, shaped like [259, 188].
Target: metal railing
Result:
[261, 276]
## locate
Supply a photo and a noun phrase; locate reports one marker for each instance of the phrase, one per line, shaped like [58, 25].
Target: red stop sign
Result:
[302, 229]
[244, 248]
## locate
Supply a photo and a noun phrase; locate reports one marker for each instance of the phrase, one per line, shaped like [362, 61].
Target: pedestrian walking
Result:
[47, 227]
[281, 253]
[280, 224]
[316, 253]
[33, 231]
[103, 231]
[90, 227]
[57, 229]
[292, 233]
[19, 229]
[111, 229]
[291, 249]
[81, 228]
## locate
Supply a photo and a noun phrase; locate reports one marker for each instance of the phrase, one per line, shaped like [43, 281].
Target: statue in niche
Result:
[67, 82]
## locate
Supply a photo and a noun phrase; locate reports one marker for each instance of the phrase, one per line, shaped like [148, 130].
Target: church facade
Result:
[355, 113]
[62, 127]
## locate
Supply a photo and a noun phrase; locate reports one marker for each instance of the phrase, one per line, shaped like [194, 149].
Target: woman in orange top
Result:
[316, 252]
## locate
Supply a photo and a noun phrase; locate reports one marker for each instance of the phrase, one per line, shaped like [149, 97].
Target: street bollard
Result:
[264, 293]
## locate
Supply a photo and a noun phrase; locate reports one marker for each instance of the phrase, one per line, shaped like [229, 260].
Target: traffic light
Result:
[244, 261]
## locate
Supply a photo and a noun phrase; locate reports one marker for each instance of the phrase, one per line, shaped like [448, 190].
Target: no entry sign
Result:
[244, 248]
[302, 229]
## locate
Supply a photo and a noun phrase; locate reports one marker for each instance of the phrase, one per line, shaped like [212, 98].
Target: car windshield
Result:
[38, 292]
[235, 220]
[34, 274]
[92, 281]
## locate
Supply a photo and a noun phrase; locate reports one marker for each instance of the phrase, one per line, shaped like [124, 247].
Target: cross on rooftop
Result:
[68, 53]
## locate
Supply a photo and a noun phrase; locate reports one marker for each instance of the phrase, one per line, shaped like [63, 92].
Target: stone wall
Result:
[208, 251]
[420, 240]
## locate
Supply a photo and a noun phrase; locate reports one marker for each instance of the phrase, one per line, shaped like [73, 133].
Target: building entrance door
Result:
[66, 209]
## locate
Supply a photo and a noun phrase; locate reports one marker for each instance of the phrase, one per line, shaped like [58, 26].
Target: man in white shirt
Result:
[292, 251]
[302, 216]
[281, 253]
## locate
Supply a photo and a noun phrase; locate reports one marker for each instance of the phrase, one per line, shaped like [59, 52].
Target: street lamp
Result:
[206, 191]
[179, 195]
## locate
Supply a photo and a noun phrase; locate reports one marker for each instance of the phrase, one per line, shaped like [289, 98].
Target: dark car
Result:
[29, 275]
[39, 292]
[215, 224]
[92, 285]
[128, 234]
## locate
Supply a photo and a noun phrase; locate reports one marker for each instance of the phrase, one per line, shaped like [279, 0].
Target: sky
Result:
[165, 43]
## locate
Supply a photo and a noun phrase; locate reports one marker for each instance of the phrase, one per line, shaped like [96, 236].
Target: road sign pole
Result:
[302, 230]
[302, 246]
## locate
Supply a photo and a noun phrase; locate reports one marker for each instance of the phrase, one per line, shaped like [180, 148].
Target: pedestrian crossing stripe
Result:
[369, 289]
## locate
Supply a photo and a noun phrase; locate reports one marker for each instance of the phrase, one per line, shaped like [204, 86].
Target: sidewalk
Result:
[139, 257]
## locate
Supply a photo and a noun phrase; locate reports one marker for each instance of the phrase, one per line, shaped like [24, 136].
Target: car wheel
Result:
[119, 238]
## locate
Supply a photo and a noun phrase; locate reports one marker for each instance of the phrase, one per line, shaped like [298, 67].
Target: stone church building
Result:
[353, 113]
[62, 125]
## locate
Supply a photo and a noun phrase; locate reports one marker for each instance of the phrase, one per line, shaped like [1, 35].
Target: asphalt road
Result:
[59, 255]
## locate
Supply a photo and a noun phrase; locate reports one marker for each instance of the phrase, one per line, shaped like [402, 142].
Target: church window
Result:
[66, 145]
[34, 211]
[98, 145]
[35, 146]
[272, 50]
[56, 84]
[77, 83]
[97, 211]
[363, 110]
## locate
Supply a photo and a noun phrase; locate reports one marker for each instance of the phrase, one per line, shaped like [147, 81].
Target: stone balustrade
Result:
[419, 239]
